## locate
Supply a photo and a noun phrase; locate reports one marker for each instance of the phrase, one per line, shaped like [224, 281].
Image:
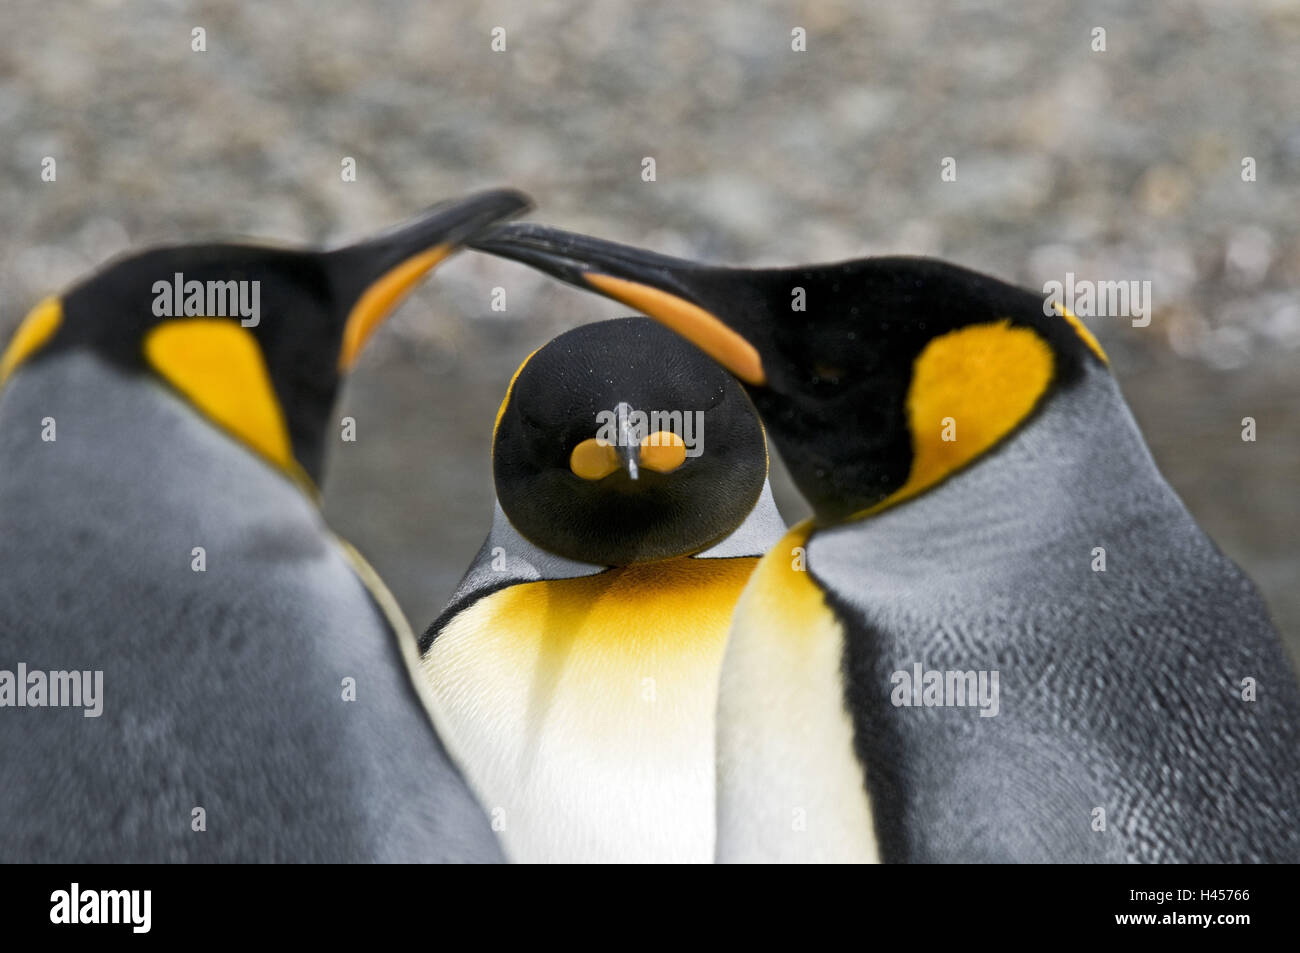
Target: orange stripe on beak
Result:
[692, 322]
[381, 298]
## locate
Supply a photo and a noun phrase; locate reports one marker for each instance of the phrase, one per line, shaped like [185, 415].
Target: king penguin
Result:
[988, 524]
[163, 426]
[575, 670]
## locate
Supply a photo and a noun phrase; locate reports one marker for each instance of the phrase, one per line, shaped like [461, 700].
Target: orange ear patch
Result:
[970, 388]
[32, 335]
[219, 366]
[1081, 329]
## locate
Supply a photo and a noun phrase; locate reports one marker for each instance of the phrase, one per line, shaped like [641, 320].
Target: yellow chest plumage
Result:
[582, 710]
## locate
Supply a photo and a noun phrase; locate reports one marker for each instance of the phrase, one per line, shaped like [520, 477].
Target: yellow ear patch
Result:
[381, 298]
[970, 388]
[37, 328]
[219, 366]
[663, 452]
[1081, 329]
[593, 459]
[706, 331]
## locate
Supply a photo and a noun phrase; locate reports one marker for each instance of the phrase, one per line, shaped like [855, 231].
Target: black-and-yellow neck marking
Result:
[1081, 329]
[970, 389]
[36, 330]
[219, 367]
[214, 363]
[222, 367]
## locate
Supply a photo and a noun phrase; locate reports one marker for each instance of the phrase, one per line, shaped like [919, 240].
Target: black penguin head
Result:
[618, 442]
[878, 378]
[257, 338]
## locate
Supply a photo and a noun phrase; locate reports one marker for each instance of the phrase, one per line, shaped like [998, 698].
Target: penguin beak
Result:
[652, 284]
[372, 277]
[630, 457]
[629, 448]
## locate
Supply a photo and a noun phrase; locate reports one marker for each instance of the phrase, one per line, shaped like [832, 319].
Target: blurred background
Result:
[1117, 164]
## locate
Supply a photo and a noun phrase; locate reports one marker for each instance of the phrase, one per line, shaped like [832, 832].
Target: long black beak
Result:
[655, 285]
[571, 257]
[371, 277]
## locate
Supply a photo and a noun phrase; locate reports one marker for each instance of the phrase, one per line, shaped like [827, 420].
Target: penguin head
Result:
[878, 378]
[619, 442]
[256, 338]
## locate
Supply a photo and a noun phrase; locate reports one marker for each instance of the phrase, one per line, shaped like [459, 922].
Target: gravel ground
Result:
[1122, 164]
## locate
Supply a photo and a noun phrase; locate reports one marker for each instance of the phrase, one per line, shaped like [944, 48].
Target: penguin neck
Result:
[97, 411]
[760, 531]
[1078, 461]
[507, 558]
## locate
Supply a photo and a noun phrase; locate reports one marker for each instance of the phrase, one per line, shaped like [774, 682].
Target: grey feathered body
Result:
[222, 689]
[1120, 690]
